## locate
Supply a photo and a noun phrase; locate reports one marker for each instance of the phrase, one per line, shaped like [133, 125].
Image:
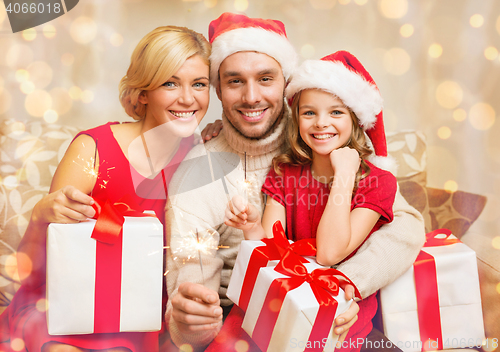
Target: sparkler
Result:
[89, 167]
[199, 256]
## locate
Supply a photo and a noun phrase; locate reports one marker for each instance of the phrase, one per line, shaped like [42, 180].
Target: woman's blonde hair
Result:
[299, 153]
[155, 59]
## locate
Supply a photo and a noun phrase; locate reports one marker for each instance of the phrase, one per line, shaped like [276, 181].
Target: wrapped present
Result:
[436, 304]
[254, 255]
[293, 306]
[105, 276]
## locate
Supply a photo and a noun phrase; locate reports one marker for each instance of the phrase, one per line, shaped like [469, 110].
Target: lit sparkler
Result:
[90, 168]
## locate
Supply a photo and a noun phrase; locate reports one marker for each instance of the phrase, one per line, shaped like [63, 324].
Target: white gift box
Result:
[459, 302]
[297, 314]
[71, 277]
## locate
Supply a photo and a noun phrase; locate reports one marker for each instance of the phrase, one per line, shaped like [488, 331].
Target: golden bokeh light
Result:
[393, 8]
[75, 93]
[49, 31]
[19, 56]
[186, 348]
[22, 75]
[344, 2]
[435, 50]
[29, 34]
[275, 304]
[27, 87]
[490, 345]
[10, 182]
[241, 5]
[322, 4]
[50, 116]
[449, 94]
[241, 346]
[406, 30]
[444, 132]
[87, 96]
[491, 53]
[83, 30]
[42, 305]
[61, 100]
[307, 51]
[17, 344]
[360, 2]
[40, 73]
[5, 100]
[459, 115]
[495, 242]
[397, 61]
[210, 3]
[498, 288]
[24, 265]
[116, 39]
[476, 20]
[11, 267]
[482, 116]
[450, 186]
[37, 103]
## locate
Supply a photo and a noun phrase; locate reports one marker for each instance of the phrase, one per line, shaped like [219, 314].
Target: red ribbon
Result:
[425, 273]
[108, 232]
[324, 282]
[274, 249]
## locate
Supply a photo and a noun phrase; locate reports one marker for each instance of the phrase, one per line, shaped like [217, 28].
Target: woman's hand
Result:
[211, 130]
[345, 160]
[67, 205]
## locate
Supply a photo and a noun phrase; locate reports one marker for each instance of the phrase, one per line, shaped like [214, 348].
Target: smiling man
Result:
[251, 62]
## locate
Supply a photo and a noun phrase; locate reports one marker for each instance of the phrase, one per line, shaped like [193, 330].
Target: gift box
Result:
[102, 286]
[436, 304]
[253, 255]
[293, 306]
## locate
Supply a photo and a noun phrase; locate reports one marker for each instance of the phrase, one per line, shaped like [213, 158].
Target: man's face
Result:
[251, 91]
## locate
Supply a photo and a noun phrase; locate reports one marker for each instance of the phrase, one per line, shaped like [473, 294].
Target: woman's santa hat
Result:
[342, 75]
[232, 33]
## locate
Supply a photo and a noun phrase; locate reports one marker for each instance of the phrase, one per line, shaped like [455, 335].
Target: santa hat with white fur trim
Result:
[232, 33]
[342, 74]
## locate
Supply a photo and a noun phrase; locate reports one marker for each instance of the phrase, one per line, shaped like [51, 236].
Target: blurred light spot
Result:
[360, 2]
[61, 100]
[240, 5]
[344, 2]
[459, 115]
[406, 30]
[19, 56]
[83, 30]
[275, 305]
[397, 61]
[42, 305]
[496, 242]
[17, 127]
[24, 265]
[393, 8]
[116, 39]
[186, 348]
[491, 344]
[476, 20]
[498, 286]
[322, 4]
[444, 132]
[75, 93]
[87, 96]
[40, 74]
[67, 59]
[5, 100]
[37, 103]
[27, 87]
[435, 50]
[50, 116]
[22, 75]
[11, 266]
[29, 34]
[450, 186]
[17, 344]
[449, 94]
[241, 346]
[481, 116]
[210, 3]
[307, 51]
[491, 53]
[49, 31]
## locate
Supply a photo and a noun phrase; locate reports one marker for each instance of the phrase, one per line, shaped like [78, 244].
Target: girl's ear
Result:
[143, 98]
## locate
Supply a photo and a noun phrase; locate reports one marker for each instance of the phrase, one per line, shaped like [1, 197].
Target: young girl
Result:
[166, 90]
[324, 186]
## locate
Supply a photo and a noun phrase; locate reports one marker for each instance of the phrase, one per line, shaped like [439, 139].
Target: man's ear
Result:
[217, 90]
[143, 98]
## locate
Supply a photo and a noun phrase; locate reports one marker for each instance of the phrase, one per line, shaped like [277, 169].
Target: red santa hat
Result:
[342, 75]
[232, 33]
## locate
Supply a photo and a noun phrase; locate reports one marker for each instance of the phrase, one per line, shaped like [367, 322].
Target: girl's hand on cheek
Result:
[345, 160]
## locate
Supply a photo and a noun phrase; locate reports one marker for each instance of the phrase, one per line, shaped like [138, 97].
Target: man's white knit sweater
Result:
[384, 256]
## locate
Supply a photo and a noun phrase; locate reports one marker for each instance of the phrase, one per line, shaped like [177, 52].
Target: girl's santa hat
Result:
[232, 33]
[342, 75]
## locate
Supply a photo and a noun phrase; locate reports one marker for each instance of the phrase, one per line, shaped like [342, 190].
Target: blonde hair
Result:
[299, 153]
[155, 59]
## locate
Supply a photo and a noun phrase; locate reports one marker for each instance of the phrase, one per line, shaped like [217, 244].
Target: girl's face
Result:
[182, 100]
[325, 123]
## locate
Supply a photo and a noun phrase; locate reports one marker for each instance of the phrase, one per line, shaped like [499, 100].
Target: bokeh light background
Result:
[437, 64]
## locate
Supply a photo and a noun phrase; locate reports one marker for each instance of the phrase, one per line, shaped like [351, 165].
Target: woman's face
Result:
[181, 101]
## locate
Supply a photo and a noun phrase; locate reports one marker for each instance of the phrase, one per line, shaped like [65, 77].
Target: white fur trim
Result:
[252, 39]
[359, 95]
[387, 163]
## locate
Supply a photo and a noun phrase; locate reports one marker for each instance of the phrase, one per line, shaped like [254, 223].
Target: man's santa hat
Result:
[232, 33]
[342, 75]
